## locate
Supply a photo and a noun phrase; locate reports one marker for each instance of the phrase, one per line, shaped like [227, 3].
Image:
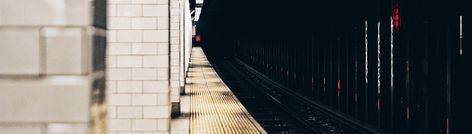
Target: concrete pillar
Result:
[52, 76]
[138, 66]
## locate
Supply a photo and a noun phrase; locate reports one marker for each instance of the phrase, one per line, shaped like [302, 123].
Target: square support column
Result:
[52, 77]
[139, 66]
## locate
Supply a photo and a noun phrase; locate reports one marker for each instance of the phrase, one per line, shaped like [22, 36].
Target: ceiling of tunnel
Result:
[245, 17]
[280, 18]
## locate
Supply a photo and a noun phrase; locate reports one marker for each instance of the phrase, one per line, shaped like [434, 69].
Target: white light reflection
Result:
[460, 33]
[366, 61]
[378, 57]
[391, 54]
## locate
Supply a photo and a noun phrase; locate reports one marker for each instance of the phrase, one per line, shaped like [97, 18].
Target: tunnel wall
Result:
[352, 57]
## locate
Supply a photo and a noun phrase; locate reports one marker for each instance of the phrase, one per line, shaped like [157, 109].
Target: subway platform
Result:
[211, 107]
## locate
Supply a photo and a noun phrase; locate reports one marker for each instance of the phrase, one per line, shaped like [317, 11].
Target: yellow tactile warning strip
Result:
[214, 108]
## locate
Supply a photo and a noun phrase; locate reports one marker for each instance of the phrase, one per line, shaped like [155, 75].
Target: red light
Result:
[197, 38]
[339, 88]
[339, 84]
[395, 17]
[396, 24]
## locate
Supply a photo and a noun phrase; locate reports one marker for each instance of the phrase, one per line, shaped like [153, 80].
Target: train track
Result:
[262, 108]
[278, 109]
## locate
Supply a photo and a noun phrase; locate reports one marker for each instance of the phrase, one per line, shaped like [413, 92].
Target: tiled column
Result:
[180, 49]
[188, 31]
[52, 66]
[175, 43]
[185, 41]
[138, 66]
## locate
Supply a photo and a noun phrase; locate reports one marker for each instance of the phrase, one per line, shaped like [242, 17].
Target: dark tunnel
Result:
[395, 65]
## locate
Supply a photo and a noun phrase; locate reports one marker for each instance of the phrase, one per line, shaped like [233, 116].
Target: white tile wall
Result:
[155, 10]
[60, 128]
[162, 99]
[112, 112]
[129, 61]
[129, 86]
[177, 37]
[174, 26]
[144, 99]
[145, 124]
[155, 36]
[175, 11]
[50, 39]
[130, 112]
[111, 10]
[138, 62]
[119, 74]
[144, 74]
[145, 1]
[144, 49]
[144, 23]
[162, 2]
[128, 132]
[162, 48]
[174, 50]
[111, 35]
[21, 128]
[118, 1]
[129, 35]
[40, 13]
[46, 104]
[119, 48]
[111, 86]
[129, 10]
[14, 58]
[156, 61]
[156, 132]
[174, 34]
[163, 124]
[163, 23]
[55, 99]
[65, 53]
[119, 22]
[156, 112]
[155, 86]
[162, 74]
[119, 99]
[119, 124]
[111, 61]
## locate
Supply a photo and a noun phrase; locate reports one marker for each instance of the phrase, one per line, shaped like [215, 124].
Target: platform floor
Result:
[213, 107]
